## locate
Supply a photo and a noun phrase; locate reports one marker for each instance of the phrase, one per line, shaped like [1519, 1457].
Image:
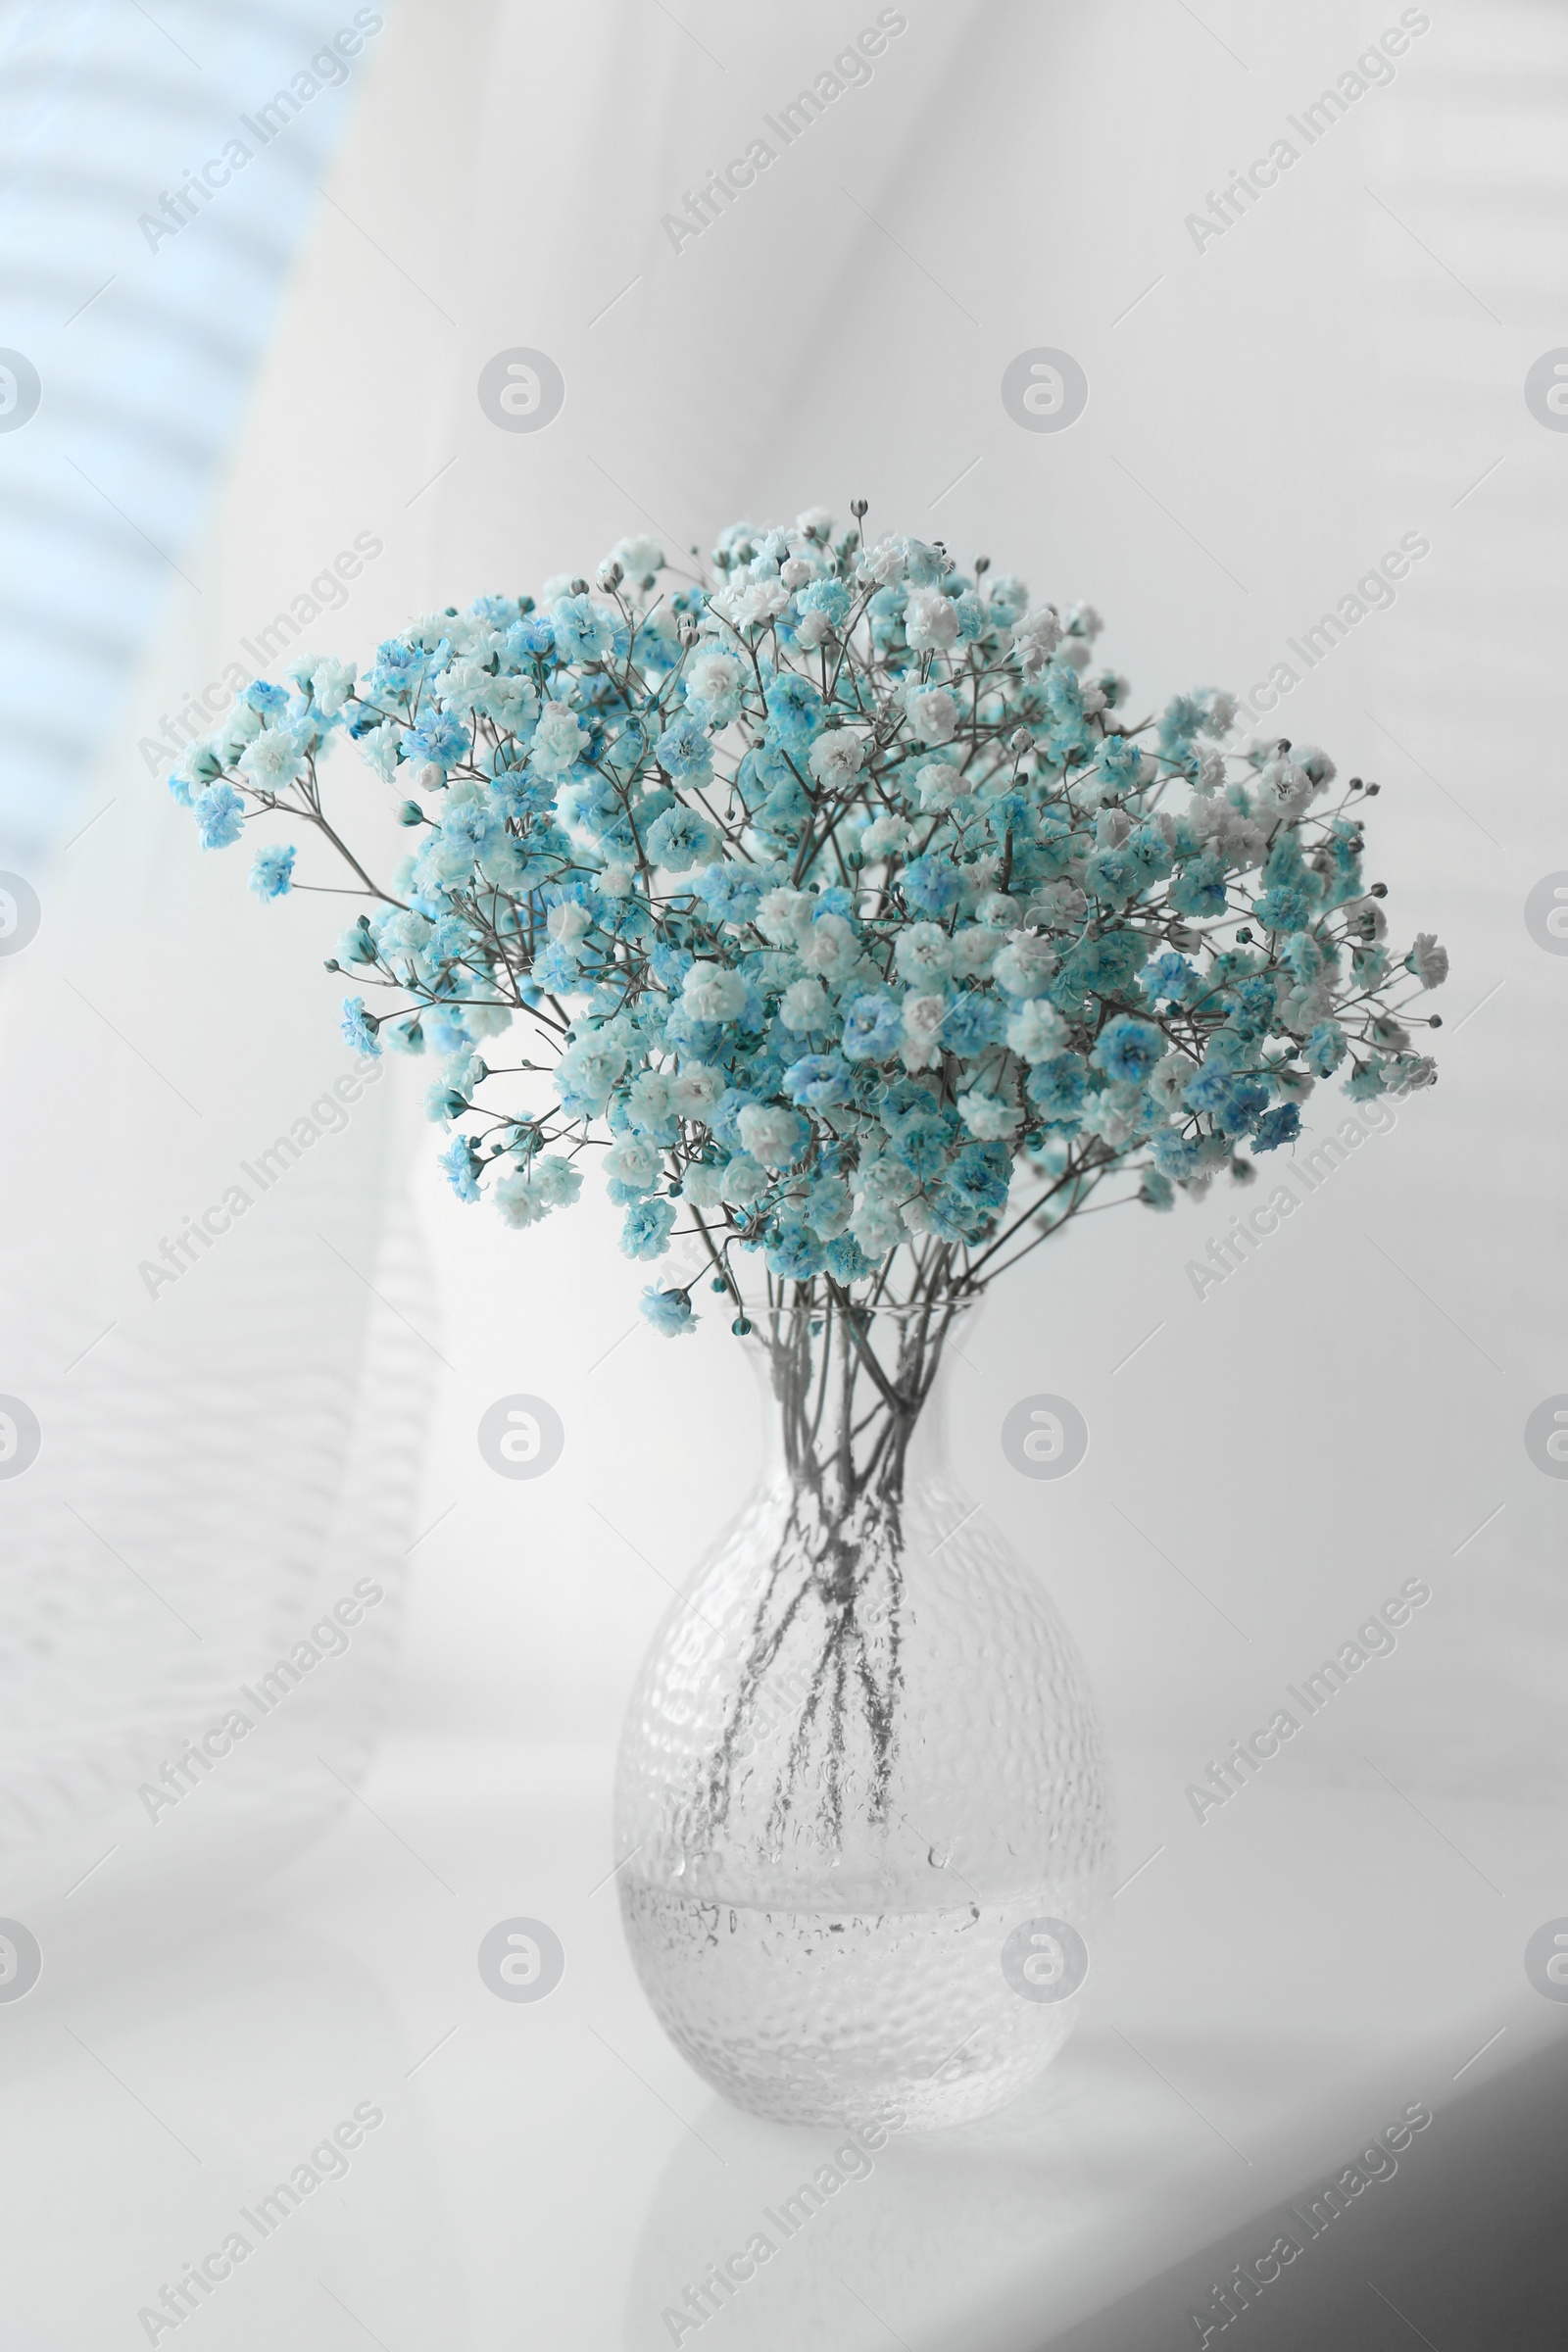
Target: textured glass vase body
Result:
[859, 1757]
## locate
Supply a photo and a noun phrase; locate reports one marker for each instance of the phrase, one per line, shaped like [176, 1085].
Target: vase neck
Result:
[854, 1404]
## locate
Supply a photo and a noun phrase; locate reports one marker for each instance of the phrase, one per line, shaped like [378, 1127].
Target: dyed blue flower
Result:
[972, 1022]
[558, 970]
[932, 885]
[846, 1260]
[218, 812]
[1119, 760]
[438, 737]
[459, 1162]
[1057, 1087]
[1200, 889]
[1287, 907]
[684, 748]
[1279, 1126]
[270, 700]
[817, 1080]
[982, 1173]
[1127, 1051]
[731, 893]
[669, 1311]
[680, 839]
[646, 1230]
[794, 708]
[794, 1253]
[1170, 979]
[1325, 1048]
[1227, 1097]
[873, 1028]
[272, 870]
[360, 1026]
[581, 630]
[829, 597]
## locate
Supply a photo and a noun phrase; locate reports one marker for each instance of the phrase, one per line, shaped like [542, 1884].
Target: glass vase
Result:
[861, 1829]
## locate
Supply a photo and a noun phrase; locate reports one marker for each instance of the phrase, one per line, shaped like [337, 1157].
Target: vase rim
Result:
[883, 1310]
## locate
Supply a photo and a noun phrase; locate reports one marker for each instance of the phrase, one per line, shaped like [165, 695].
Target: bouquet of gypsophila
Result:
[835, 902]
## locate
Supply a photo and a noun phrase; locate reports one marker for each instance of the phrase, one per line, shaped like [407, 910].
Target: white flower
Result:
[884, 837]
[331, 683]
[885, 1182]
[712, 993]
[557, 740]
[973, 950]
[940, 785]
[1024, 965]
[771, 1134]
[639, 558]
[1058, 906]
[714, 677]
[1115, 1122]
[933, 713]
[616, 879]
[923, 1030]
[519, 1203]
[1428, 961]
[795, 574]
[694, 1091]
[590, 1071]
[829, 1207]
[462, 684]
[1168, 1077]
[569, 922]
[830, 947]
[556, 1181]
[989, 1117]
[835, 759]
[804, 1005]
[1036, 638]
[886, 562]
[1036, 1031]
[647, 1099]
[633, 1161]
[1285, 788]
[923, 951]
[813, 629]
[930, 620]
[877, 1230]
[997, 911]
[273, 758]
[702, 1186]
[750, 604]
[513, 702]
[783, 915]
[813, 522]
[743, 1181]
